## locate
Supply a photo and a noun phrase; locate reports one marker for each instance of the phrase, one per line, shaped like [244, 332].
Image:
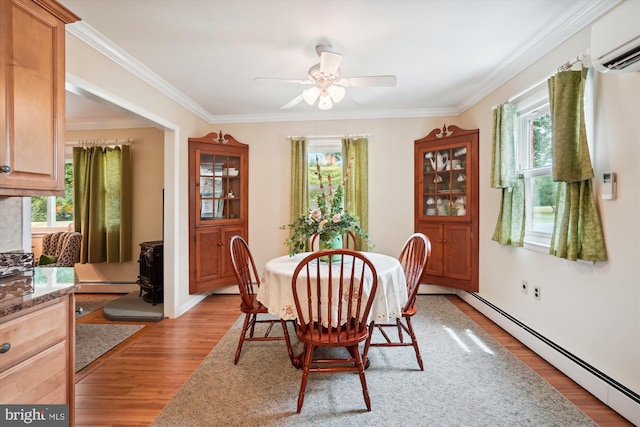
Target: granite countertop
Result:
[27, 290]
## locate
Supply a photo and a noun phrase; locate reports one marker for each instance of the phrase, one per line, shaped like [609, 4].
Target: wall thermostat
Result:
[608, 191]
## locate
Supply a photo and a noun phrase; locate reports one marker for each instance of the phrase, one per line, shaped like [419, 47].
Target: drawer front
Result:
[32, 333]
[42, 379]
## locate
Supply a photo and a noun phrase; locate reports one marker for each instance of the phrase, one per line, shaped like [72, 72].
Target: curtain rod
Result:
[101, 142]
[355, 135]
[582, 57]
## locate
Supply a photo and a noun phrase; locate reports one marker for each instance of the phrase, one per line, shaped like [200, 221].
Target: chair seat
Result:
[255, 307]
[409, 312]
[332, 339]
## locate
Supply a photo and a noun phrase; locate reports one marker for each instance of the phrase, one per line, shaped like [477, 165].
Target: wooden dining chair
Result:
[413, 258]
[348, 241]
[333, 300]
[248, 282]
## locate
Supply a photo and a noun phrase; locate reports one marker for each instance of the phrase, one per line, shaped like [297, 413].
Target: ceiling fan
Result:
[327, 85]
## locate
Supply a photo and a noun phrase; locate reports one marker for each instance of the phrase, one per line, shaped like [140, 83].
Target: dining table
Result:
[276, 292]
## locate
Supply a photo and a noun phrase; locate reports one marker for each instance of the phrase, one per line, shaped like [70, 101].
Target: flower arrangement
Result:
[328, 220]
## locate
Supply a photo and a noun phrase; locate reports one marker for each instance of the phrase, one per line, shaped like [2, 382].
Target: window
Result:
[534, 160]
[328, 154]
[52, 211]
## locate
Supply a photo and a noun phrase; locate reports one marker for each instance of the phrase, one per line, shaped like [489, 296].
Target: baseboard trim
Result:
[611, 392]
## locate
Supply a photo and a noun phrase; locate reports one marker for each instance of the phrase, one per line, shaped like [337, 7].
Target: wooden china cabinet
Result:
[446, 205]
[218, 208]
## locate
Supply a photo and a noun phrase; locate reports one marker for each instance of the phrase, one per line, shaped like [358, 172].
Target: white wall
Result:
[591, 310]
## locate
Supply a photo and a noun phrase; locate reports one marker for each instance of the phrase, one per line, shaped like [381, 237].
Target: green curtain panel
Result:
[299, 180]
[102, 202]
[577, 231]
[510, 226]
[355, 154]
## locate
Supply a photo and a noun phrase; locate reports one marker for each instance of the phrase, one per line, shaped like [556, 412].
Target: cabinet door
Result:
[206, 256]
[443, 182]
[456, 243]
[219, 189]
[434, 233]
[32, 98]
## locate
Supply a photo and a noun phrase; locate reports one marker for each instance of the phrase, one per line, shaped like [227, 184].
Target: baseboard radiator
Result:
[621, 399]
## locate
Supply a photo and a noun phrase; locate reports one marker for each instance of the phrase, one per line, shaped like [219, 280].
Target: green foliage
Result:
[329, 219]
[64, 205]
[541, 141]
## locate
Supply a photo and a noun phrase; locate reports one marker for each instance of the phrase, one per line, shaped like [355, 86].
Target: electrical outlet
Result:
[524, 287]
[536, 293]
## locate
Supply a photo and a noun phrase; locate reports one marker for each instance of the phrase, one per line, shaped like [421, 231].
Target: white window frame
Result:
[535, 103]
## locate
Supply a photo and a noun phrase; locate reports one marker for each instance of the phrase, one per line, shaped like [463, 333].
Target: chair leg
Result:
[285, 331]
[363, 380]
[414, 340]
[399, 325]
[367, 343]
[308, 353]
[242, 335]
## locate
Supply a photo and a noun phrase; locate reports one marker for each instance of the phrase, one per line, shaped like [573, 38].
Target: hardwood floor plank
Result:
[130, 384]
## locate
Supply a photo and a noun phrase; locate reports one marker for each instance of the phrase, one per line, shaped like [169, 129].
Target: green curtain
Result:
[299, 180]
[102, 181]
[577, 231]
[355, 154]
[510, 227]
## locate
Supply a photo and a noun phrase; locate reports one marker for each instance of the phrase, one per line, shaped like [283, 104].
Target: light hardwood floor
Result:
[131, 384]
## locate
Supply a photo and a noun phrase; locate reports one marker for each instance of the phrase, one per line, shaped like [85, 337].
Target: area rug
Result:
[469, 380]
[93, 340]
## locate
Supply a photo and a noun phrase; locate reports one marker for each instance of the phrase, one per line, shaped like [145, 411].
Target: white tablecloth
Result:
[276, 294]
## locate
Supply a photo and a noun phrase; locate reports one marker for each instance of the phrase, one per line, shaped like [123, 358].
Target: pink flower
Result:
[336, 218]
[315, 214]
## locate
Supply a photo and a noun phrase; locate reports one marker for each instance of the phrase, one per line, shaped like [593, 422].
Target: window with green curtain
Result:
[577, 232]
[102, 202]
[354, 155]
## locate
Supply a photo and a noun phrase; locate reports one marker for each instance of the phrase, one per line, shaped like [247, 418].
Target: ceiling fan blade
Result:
[329, 63]
[270, 79]
[295, 101]
[368, 81]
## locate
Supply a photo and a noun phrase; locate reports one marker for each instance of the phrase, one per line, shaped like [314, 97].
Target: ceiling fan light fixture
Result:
[310, 95]
[336, 93]
[325, 101]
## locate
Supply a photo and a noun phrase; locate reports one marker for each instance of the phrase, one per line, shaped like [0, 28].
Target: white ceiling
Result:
[446, 54]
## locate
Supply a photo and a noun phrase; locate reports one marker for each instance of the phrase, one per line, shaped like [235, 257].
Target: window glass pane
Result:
[47, 212]
[540, 133]
[543, 200]
[329, 158]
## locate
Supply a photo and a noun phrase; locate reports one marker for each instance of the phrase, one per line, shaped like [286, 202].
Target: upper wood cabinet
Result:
[218, 208]
[32, 97]
[446, 205]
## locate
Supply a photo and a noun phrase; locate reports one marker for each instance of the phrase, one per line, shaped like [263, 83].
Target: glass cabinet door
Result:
[219, 186]
[444, 182]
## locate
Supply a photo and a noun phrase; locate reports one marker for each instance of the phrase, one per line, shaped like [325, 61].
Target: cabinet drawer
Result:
[41, 379]
[33, 332]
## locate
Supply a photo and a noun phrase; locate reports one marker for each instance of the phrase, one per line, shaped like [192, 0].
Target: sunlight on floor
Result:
[477, 341]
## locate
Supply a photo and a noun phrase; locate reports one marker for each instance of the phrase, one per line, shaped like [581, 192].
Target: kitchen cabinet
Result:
[446, 205]
[32, 97]
[218, 208]
[37, 354]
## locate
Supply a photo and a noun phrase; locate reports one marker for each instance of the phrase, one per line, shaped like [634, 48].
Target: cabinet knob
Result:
[5, 169]
[5, 347]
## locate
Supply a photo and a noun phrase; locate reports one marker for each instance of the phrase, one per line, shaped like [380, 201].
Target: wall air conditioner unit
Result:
[615, 39]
